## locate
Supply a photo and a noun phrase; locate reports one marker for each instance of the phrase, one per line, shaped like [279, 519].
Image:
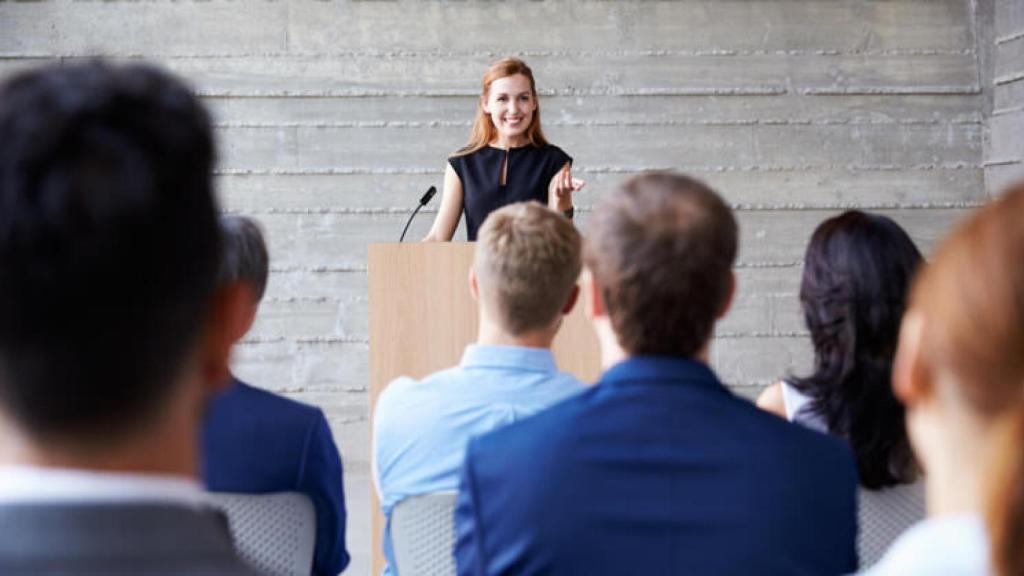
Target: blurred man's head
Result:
[526, 265]
[660, 251]
[244, 261]
[108, 250]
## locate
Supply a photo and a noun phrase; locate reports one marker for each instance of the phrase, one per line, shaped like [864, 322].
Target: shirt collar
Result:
[36, 484]
[662, 369]
[516, 357]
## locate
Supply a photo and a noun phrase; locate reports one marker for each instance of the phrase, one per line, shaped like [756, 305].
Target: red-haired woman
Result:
[959, 370]
[507, 158]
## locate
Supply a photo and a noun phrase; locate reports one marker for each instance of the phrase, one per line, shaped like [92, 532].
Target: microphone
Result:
[423, 202]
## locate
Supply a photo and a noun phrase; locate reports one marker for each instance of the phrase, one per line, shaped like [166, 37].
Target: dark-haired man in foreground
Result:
[658, 469]
[113, 333]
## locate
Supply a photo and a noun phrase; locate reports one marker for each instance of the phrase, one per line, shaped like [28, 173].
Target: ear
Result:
[474, 287]
[246, 320]
[483, 104]
[911, 377]
[230, 309]
[727, 304]
[570, 302]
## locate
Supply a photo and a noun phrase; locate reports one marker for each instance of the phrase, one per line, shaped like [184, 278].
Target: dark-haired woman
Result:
[857, 274]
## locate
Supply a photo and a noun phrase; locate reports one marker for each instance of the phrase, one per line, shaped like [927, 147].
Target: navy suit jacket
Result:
[256, 442]
[658, 469]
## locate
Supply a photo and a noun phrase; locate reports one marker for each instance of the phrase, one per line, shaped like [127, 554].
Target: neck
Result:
[612, 352]
[492, 334]
[507, 142]
[166, 444]
[954, 461]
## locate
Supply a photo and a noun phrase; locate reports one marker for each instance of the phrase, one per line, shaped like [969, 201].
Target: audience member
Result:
[857, 274]
[114, 332]
[959, 370]
[523, 278]
[254, 441]
[658, 469]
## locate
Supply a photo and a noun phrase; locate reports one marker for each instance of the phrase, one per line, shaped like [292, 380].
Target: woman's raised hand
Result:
[562, 187]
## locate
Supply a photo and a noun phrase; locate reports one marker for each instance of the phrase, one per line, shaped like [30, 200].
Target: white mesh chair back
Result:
[275, 533]
[884, 515]
[423, 535]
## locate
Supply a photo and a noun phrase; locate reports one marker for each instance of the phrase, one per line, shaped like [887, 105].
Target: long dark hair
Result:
[857, 274]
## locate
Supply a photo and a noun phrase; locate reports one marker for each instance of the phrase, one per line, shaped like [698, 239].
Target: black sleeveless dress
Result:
[530, 170]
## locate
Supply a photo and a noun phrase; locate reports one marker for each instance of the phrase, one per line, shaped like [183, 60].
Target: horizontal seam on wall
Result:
[1005, 111]
[1002, 162]
[1010, 37]
[584, 208]
[602, 169]
[387, 124]
[432, 54]
[1009, 78]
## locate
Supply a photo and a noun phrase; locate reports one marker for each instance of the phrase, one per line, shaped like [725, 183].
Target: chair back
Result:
[884, 515]
[274, 533]
[423, 535]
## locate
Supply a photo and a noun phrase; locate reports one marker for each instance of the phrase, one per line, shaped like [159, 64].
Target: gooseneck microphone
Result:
[423, 202]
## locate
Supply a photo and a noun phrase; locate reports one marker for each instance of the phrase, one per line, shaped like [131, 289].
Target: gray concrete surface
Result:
[333, 117]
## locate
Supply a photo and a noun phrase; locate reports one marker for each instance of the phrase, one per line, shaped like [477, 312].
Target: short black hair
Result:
[108, 245]
[243, 254]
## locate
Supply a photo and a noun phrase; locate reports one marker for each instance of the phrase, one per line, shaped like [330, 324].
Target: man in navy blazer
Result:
[659, 469]
[255, 441]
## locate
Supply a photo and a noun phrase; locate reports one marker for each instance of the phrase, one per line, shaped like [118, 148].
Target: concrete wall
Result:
[334, 116]
[1004, 154]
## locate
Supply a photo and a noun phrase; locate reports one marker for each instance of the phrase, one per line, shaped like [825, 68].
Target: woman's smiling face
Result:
[511, 104]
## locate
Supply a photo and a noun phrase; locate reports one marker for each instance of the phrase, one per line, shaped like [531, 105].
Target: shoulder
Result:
[554, 154]
[242, 396]
[564, 383]
[771, 400]
[962, 538]
[552, 150]
[785, 446]
[404, 394]
[540, 433]
[820, 454]
[404, 386]
[461, 155]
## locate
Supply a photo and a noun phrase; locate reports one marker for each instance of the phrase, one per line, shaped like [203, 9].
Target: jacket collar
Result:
[666, 370]
[509, 357]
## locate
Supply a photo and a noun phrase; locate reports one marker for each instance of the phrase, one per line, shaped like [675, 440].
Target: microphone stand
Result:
[423, 202]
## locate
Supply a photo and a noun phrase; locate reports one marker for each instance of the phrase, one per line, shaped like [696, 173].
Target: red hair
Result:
[972, 297]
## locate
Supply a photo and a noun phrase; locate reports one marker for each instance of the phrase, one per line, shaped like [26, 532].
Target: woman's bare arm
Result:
[771, 400]
[447, 219]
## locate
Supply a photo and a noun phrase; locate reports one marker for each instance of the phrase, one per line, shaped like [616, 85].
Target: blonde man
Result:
[523, 279]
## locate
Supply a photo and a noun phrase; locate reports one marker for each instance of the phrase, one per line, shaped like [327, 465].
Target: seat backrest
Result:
[884, 515]
[275, 533]
[423, 535]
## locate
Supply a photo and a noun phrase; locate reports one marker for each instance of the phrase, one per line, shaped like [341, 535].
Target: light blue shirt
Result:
[420, 428]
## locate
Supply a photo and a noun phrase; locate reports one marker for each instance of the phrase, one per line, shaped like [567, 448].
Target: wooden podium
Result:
[422, 317]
